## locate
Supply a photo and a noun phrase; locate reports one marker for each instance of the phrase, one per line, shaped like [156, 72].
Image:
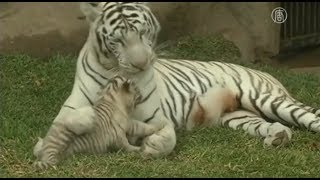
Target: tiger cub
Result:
[207, 108]
[94, 129]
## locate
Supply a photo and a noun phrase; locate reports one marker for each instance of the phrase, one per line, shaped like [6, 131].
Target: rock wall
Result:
[247, 24]
[45, 28]
[41, 28]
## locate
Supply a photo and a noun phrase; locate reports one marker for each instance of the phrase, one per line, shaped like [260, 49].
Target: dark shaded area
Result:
[305, 57]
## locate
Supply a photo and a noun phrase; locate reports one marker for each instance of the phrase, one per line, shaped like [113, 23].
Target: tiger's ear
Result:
[91, 10]
[144, 3]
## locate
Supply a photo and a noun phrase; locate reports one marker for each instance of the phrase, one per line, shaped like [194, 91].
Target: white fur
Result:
[163, 142]
[81, 120]
[212, 105]
[248, 83]
[89, 11]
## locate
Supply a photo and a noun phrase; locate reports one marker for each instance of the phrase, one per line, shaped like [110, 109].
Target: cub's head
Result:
[120, 89]
[122, 33]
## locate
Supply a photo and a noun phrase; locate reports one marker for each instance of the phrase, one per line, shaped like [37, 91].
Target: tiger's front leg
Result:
[78, 98]
[162, 142]
[141, 129]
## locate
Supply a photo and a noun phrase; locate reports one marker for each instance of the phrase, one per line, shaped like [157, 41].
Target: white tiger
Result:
[260, 96]
[95, 129]
[208, 108]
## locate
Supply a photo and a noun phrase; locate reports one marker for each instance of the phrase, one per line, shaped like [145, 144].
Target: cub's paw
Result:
[40, 165]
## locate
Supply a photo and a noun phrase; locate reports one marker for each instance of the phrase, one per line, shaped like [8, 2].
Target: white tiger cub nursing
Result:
[208, 108]
[95, 129]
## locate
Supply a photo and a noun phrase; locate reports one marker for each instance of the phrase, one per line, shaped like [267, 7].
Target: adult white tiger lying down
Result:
[95, 129]
[202, 113]
[260, 96]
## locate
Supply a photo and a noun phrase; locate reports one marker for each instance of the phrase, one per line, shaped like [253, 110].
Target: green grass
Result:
[33, 90]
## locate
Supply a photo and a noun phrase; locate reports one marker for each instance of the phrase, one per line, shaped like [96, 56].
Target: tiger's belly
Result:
[176, 101]
[178, 77]
[167, 103]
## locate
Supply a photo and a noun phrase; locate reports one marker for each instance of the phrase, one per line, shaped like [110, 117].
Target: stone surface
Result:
[41, 28]
[46, 28]
[247, 24]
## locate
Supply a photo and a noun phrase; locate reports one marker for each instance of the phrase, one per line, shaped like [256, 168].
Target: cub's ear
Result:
[91, 10]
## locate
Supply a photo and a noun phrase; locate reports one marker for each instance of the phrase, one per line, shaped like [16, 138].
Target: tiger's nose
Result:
[140, 63]
[138, 56]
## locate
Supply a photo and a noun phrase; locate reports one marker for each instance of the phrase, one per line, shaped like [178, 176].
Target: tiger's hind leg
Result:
[313, 110]
[81, 120]
[285, 111]
[274, 134]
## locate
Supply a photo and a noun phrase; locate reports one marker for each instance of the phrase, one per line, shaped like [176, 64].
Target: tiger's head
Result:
[123, 91]
[122, 34]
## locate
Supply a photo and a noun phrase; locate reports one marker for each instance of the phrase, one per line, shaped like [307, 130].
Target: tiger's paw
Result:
[159, 144]
[279, 135]
[159, 127]
[41, 166]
